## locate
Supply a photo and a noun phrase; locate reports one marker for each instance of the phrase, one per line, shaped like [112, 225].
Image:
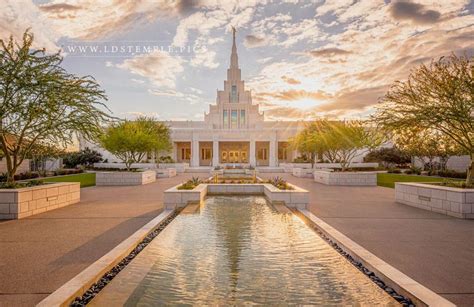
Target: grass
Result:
[86, 179]
[388, 180]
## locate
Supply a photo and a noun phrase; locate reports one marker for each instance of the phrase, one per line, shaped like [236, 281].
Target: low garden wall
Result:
[303, 172]
[122, 165]
[288, 167]
[166, 173]
[455, 202]
[355, 165]
[180, 167]
[124, 178]
[296, 198]
[24, 202]
[345, 178]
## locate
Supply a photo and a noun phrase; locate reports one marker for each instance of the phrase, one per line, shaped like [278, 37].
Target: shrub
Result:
[388, 156]
[280, 183]
[165, 159]
[452, 174]
[86, 157]
[190, 184]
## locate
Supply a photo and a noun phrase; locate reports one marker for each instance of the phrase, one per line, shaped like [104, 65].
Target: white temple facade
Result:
[233, 131]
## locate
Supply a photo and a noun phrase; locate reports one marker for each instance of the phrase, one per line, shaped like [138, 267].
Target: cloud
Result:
[354, 100]
[90, 19]
[252, 41]
[18, 15]
[416, 13]
[292, 95]
[325, 52]
[290, 80]
[159, 68]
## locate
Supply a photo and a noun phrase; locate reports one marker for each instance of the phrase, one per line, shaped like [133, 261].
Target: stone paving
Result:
[40, 253]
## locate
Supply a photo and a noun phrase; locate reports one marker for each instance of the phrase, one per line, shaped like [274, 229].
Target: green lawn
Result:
[388, 180]
[86, 179]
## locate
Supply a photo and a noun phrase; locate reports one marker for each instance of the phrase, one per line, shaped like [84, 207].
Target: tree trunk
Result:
[470, 170]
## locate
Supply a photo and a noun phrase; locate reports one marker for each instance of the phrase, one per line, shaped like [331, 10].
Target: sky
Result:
[301, 59]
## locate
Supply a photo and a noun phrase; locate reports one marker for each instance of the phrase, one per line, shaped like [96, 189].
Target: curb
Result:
[82, 281]
[402, 283]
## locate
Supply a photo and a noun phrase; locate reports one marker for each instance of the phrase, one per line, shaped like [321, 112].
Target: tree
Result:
[336, 140]
[344, 140]
[427, 145]
[41, 152]
[42, 103]
[131, 141]
[86, 157]
[438, 97]
[308, 141]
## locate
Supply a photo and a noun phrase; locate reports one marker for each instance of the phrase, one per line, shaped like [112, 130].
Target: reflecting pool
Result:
[238, 250]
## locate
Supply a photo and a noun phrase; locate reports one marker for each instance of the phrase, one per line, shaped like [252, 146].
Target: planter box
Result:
[296, 198]
[303, 172]
[288, 167]
[122, 165]
[445, 200]
[355, 164]
[345, 178]
[24, 202]
[124, 178]
[180, 167]
[166, 173]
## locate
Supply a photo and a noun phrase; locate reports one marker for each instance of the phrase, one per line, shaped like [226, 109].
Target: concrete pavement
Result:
[39, 254]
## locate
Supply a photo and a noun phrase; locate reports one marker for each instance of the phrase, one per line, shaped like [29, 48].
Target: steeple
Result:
[234, 60]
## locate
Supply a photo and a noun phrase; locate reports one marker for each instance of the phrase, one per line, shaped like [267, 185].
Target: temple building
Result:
[233, 131]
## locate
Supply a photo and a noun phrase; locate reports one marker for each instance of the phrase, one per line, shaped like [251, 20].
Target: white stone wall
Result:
[166, 173]
[121, 165]
[353, 164]
[445, 200]
[24, 202]
[124, 178]
[345, 178]
[180, 167]
[296, 198]
[24, 166]
[303, 172]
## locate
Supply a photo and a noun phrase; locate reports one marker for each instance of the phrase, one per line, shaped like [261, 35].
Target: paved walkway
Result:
[39, 254]
[433, 249]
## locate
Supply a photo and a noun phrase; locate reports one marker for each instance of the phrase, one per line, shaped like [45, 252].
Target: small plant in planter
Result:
[190, 184]
[280, 183]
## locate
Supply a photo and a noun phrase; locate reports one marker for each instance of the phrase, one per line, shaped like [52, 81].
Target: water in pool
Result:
[239, 250]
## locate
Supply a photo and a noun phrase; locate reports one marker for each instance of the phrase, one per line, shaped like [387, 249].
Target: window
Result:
[233, 120]
[233, 94]
[262, 154]
[282, 153]
[226, 119]
[242, 118]
[205, 154]
[185, 153]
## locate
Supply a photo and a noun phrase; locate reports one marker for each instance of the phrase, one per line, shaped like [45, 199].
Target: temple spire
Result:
[234, 60]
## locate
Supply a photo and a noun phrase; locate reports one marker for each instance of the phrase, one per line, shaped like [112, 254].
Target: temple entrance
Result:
[233, 152]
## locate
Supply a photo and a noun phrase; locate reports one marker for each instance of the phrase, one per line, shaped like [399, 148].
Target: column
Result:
[195, 152]
[252, 159]
[174, 152]
[273, 152]
[215, 152]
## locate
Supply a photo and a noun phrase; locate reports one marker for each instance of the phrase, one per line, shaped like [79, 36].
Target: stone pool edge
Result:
[401, 283]
[79, 284]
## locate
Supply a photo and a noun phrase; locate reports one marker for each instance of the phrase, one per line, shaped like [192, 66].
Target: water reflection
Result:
[238, 250]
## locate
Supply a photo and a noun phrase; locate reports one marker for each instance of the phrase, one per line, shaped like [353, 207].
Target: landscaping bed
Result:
[26, 201]
[350, 178]
[389, 180]
[125, 178]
